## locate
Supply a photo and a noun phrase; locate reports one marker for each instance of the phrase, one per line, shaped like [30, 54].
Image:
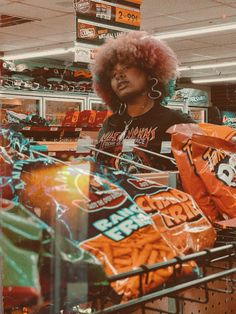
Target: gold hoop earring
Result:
[154, 93]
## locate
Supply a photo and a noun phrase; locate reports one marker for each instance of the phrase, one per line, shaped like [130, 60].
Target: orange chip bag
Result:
[221, 131]
[215, 160]
[177, 216]
[85, 206]
[181, 145]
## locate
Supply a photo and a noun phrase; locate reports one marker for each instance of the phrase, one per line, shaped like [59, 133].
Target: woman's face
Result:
[128, 81]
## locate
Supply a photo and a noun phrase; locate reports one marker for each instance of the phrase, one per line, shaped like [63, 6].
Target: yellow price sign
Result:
[128, 17]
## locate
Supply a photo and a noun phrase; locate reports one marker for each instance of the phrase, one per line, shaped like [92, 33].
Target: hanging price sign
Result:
[128, 17]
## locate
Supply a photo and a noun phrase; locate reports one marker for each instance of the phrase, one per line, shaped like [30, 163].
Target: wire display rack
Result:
[213, 288]
[210, 262]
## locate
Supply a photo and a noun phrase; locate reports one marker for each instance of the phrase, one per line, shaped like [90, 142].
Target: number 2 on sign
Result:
[128, 17]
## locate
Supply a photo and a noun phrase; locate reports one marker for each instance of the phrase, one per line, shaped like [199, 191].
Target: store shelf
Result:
[59, 146]
[207, 260]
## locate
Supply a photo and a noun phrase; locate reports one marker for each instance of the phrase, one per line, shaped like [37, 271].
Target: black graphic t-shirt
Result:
[147, 131]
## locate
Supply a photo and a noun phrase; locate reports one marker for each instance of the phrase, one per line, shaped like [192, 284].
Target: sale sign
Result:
[91, 33]
[123, 16]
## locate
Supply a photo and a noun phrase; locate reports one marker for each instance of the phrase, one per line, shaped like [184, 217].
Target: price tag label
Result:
[52, 154]
[53, 128]
[165, 147]
[128, 145]
[103, 11]
[128, 17]
[27, 128]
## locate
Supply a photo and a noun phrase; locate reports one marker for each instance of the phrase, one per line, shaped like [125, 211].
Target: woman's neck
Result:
[139, 105]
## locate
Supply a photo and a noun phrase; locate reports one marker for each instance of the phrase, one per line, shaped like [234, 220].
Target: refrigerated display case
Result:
[198, 114]
[95, 103]
[229, 118]
[55, 108]
[178, 106]
[20, 104]
[194, 102]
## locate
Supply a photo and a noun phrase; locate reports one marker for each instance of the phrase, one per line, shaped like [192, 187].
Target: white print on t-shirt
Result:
[142, 136]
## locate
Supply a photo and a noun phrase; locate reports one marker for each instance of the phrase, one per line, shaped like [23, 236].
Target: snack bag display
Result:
[90, 209]
[19, 266]
[214, 159]
[89, 205]
[181, 144]
[222, 131]
[71, 118]
[13, 147]
[86, 118]
[27, 256]
[174, 212]
[191, 182]
[101, 116]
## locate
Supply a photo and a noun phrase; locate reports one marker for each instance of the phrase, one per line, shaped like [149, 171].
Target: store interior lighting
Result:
[207, 66]
[213, 80]
[196, 31]
[37, 53]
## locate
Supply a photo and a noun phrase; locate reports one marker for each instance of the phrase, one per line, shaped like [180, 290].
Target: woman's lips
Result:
[122, 85]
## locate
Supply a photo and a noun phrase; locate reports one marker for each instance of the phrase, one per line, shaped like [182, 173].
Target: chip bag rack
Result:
[180, 262]
[191, 173]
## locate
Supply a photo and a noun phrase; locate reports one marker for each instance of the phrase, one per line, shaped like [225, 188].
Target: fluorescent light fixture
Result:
[37, 53]
[196, 31]
[213, 80]
[207, 66]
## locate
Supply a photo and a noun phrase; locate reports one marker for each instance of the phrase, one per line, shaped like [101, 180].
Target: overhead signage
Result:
[84, 54]
[127, 17]
[191, 97]
[109, 14]
[134, 3]
[90, 33]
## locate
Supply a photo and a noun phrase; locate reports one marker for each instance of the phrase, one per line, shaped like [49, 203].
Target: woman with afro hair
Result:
[130, 74]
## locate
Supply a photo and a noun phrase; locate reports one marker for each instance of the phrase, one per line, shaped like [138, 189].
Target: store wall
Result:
[224, 96]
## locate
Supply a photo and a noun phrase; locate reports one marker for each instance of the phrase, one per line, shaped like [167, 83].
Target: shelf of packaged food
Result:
[49, 133]
[206, 259]
[214, 286]
[57, 146]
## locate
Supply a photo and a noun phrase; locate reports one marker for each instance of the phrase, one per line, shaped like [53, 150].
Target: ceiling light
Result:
[207, 66]
[196, 31]
[213, 80]
[37, 53]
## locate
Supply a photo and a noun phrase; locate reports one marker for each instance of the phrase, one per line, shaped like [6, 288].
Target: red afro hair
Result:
[132, 48]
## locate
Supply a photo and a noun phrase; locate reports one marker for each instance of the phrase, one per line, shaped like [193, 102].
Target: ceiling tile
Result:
[152, 8]
[63, 23]
[70, 36]
[25, 10]
[33, 30]
[55, 5]
[180, 45]
[218, 39]
[3, 2]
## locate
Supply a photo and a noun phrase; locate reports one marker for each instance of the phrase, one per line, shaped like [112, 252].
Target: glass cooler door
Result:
[18, 106]
[198, 114]
[55, 109]
[97, 104]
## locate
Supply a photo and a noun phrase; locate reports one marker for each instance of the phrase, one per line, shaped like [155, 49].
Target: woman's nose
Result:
[120, 75]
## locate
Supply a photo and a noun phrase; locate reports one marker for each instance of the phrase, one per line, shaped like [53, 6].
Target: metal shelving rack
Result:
[218, 265]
